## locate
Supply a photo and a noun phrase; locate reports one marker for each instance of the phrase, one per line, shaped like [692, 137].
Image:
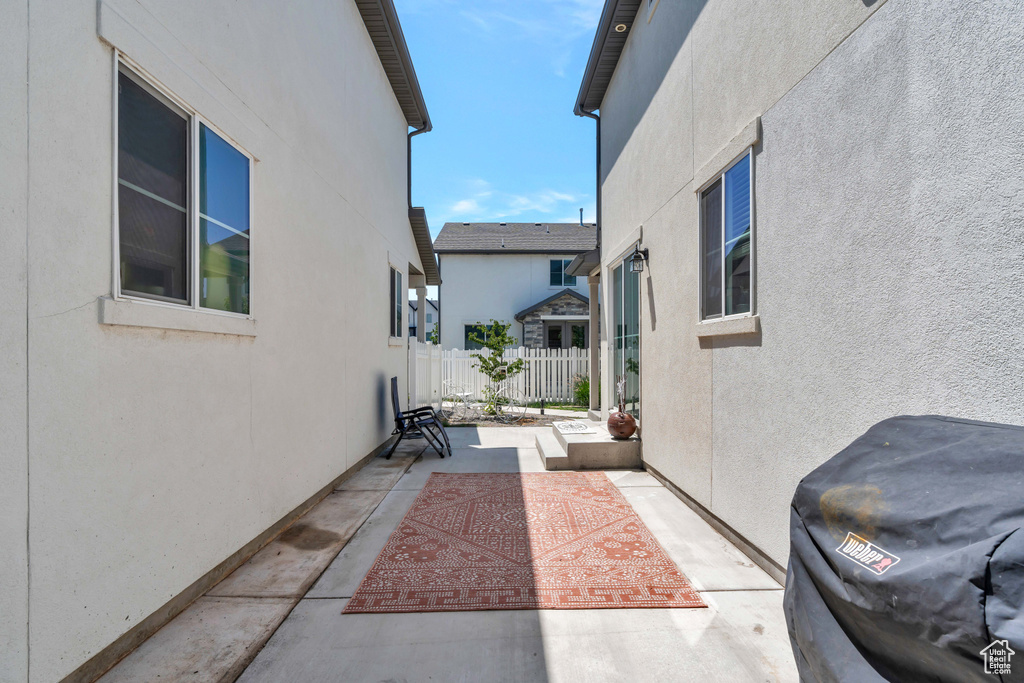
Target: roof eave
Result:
[394, 56]
[424, 245]
[584, 264]
[554, 297]
[589, 99]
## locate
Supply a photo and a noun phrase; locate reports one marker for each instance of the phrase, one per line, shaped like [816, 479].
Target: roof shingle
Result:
[496, 238]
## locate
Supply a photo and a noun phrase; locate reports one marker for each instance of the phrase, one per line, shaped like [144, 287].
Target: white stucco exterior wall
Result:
[13, 349]
[878, 280]
[155, 454]
[482, 287]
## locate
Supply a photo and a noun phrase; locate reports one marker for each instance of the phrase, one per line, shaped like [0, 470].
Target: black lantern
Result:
[636, 261]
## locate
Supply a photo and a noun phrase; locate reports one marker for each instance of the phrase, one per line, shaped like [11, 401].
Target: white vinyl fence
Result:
[425, 374]
[548, 374]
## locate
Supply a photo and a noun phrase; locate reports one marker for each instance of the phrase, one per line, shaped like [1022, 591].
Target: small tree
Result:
[433, 337]
[493, 364]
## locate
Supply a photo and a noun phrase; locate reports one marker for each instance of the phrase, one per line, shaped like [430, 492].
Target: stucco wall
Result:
[887, 187]
[155, 454]
[891, 265]
[13, 356]
[688, 81]
[481, 287]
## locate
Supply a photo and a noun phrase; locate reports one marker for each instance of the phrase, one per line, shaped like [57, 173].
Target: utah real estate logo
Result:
[997, 657]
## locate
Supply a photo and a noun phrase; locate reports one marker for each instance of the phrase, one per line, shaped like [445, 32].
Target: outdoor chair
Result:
[422, 421]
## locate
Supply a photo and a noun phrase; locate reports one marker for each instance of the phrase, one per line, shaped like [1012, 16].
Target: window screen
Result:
[153, 216]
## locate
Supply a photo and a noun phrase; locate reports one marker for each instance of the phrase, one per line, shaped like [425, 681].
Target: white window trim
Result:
[195, 119]
[563, 285]
[752, 313]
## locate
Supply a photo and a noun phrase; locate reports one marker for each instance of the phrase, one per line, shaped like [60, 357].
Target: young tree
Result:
[495, 340]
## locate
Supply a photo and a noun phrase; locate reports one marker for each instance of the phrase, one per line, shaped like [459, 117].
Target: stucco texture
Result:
[890, 207]
[888, 204]
[13, 349]
[688, 81]
[155, 454]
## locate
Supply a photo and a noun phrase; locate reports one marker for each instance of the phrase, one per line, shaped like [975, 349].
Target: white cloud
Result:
[467, 206]
[482, 203]
[553, 25]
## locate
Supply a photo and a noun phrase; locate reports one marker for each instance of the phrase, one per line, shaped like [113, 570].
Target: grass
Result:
[558, 406]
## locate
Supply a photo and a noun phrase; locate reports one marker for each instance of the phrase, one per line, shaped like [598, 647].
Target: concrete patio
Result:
[293, 593]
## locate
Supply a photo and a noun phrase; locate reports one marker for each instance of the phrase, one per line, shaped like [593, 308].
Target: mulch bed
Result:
[555, 540]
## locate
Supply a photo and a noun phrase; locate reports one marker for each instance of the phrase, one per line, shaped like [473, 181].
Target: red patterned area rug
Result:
[559, 540]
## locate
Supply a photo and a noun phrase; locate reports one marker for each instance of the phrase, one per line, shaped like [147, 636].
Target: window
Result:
[559, 278]
[183, 198]
[626, 336]
[430, 318]
[480, 331]
[564, 335]
[726, 257]
[395, 306]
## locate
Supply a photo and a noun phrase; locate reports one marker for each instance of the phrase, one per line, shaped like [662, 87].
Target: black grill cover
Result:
[907, 558]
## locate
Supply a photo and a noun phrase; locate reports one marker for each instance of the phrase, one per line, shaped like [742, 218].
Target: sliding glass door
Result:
[625, 297]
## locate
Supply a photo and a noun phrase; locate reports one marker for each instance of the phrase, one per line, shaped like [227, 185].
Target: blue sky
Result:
[500, 78]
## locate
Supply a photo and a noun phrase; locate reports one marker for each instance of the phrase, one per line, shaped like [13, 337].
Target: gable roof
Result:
[554, 297]
[414, 304]
[605, 53]
[381, 21]
[516, 238]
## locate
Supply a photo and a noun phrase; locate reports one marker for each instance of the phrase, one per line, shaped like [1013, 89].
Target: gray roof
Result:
[516, 238]
[554, 297]
[386, 33]
[414, 304]
[604, 54]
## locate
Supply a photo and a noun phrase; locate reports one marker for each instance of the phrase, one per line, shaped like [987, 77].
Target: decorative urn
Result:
[621, 424]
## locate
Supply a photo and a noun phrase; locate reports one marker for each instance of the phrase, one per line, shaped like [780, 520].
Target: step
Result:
[551, 452]
[597, 451]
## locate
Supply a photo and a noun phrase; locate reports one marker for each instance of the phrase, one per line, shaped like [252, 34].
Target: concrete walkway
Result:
[285, 603]
[740, 637]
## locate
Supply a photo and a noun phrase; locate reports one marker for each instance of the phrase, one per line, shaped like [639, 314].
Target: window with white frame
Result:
[725, 234]
[397, 297]
[559, 278]
[184, 203]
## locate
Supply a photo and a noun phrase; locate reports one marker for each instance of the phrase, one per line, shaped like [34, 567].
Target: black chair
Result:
[422, 421]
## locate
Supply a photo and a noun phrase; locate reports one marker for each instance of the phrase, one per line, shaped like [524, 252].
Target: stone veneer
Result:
[533, 325]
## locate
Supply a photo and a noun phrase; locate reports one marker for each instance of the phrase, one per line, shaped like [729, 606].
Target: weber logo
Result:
[866, 554]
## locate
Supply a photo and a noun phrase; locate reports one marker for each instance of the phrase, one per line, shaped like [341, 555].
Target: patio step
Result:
[595, 451]
[551, 452]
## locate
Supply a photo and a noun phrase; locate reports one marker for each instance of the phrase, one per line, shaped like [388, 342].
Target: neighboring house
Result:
[205, 252]
[514, 273]
[831, 197]
[429, 316]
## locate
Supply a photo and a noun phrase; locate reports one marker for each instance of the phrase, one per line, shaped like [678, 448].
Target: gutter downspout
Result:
[592, 115]
[408, 158]
[595, 367]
